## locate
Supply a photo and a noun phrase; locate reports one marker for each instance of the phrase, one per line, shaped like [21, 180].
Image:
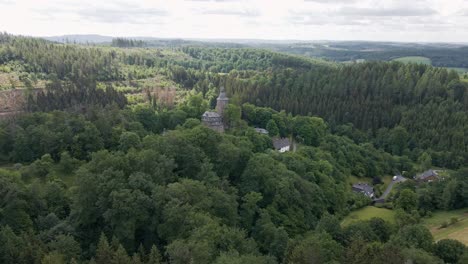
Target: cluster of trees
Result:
[94, 181]
[378, 101]
[64, 61]
[127, 43]
[104, 187]
[382, 103]
[450, 193]
[225, 60]
[440, 56]
[68, 95]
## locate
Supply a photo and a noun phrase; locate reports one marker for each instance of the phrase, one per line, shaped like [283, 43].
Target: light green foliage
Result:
[425, 161]
[415, 59]
[368, 213]
[154, 256]
[167, 189]
[398, 140]
[418, 256]
[129, 140]
[416, 236]
[235, 258]
[315, 248]
[232, 115]
[272, 128]
[407, 200]
[53, 258]
[194, 105]
[309, 130]
[362, 252]
[67, 246]
[331, 225]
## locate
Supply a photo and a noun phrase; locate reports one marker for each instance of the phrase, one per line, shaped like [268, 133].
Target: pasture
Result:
[414, 59]
[458, 230]
[367, 213]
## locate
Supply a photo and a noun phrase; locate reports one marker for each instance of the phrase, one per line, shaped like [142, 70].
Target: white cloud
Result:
[399, 20]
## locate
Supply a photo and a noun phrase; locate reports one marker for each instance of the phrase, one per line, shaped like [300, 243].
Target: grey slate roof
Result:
[261, 130]
[427, 174]
[280, 143]
[210, 114]
[363, 188]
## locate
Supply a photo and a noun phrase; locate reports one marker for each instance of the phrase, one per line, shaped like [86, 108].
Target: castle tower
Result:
[221, 102]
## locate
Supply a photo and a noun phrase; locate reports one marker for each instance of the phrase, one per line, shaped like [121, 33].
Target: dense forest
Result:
[88, 175]
[441, 55]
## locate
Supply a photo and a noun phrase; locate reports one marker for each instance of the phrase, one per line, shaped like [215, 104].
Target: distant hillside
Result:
[441, 54]
[80, 38]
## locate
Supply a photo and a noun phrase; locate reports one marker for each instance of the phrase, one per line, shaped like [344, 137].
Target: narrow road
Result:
[390, 186]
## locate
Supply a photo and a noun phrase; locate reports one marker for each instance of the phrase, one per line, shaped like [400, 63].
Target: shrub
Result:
[453, 220]
[444, 224]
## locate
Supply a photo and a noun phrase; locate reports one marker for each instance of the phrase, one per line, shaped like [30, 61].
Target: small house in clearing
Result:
[427, 176]
[364, 188]
[281, 144]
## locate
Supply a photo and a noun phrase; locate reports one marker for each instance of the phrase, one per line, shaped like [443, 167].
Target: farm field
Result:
[415, 59]
[458, 231]
[459, 70]
[367, 213]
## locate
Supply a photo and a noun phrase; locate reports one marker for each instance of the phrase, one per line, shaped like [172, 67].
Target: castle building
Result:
[214, 120]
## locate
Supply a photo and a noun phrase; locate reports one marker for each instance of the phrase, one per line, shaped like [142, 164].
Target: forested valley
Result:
[107, 160]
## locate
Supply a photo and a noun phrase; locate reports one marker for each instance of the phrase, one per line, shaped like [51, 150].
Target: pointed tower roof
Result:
[222, 94]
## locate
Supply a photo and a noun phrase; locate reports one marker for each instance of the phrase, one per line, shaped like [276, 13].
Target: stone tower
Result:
[214, 120]
[221, 102]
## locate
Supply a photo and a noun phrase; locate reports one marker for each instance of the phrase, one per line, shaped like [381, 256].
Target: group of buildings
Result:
[215, 121]
[368, 190]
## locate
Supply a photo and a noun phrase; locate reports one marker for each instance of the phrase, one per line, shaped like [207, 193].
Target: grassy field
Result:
[367, 213]
[458, 231]
[415, 59]
[459, 70]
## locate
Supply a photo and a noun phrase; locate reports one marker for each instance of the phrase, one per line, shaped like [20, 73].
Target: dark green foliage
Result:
[407, 200]
[167, 189]
[315, 248]
[449, 250]
[418, 256]
[416, 236]
[272, 128]
[127, 43]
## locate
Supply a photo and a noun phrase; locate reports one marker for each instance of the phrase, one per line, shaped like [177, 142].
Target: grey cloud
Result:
[352, 16]
[390, 12]
[318, 18]
[219, 1]
[117, 12]
[231, 12]
[331, 1]
[463, 12]
[135, 15]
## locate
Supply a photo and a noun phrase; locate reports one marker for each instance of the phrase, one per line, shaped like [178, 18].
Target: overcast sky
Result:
[395, 20]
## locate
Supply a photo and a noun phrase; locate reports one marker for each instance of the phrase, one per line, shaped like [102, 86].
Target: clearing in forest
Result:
[367, 213]
[458, 230]
[415, 59]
